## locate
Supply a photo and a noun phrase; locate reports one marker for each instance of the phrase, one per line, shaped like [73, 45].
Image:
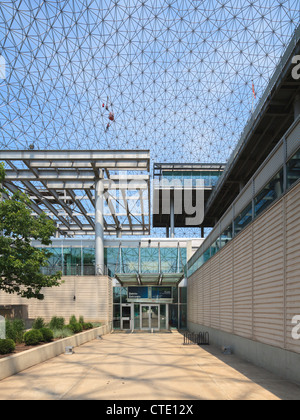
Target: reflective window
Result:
[124, 294]
[163, 317]
[54, 261]
[175, 294]
[129, 260]
[72, 261]
[88, 261]
[215, 247]
[243, 219]
[210, 178]
[117, 294]
[206, 255]
[183, 316]
[137, 316]
[111, 259]
[272, 191]
[149, 260]
[226, 236]
[169, 260]
[173, 316]
[293, 169]
[183, 294]
[116, 316]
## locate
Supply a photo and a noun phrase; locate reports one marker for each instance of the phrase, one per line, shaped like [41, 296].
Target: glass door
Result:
[126, 317]
[150, 317]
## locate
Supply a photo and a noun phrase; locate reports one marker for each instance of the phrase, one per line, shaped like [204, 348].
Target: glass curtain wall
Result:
[177, 309]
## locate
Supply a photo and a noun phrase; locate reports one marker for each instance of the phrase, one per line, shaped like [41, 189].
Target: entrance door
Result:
[150, 317]
[126, 317]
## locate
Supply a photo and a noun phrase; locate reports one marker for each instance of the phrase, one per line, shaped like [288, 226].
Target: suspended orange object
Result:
[103, 105]
[111, 116]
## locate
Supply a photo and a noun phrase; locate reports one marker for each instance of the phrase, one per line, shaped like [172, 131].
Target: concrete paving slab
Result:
[146, 367]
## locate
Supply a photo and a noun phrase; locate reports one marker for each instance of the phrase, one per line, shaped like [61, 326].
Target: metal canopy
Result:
[62, 184]
[132, 279]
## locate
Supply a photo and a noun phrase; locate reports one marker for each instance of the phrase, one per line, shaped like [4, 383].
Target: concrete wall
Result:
[93, 300]
[251, 288]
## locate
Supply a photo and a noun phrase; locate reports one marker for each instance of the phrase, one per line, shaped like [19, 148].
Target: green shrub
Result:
[47, 334]
[57, 323]
[38, 324]
[75, 327]
[62, 333]
[7, 346]
[33, 337]
[15, 330]
[81, 320]
[73, 320]
[87, 325]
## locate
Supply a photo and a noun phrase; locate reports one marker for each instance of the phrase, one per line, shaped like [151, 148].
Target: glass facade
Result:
[293, 169]
[268, 194]
[210, 178]
[272, 191]
[243, 219]
[80, 261]
[165, 307]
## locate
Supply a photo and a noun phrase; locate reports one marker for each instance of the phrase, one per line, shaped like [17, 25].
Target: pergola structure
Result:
[93, 192]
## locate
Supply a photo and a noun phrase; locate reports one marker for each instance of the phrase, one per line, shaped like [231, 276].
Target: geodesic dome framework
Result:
[180, 78]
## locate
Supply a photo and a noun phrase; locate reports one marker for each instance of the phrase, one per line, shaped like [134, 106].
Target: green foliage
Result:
[62, 333]
[73, 320]
[38, 324]
[47, 334]
[15, 330]
[75, 327]
[33, 337]
[81, 320]
[87, 325]
[21, 263]
[57, 323]
[7, 346]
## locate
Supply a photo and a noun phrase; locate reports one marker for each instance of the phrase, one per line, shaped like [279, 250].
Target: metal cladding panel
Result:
[270, 169]
[226, 288]
[244, 199]
[268, 274]
[242, 293]
[206, 294]
[254, 281]
[292, 267]
[215, 291]
[293, 141]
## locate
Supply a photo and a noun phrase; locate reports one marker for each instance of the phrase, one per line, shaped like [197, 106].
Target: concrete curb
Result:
[14, 364]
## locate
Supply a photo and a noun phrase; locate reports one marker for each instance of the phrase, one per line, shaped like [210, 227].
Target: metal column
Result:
[99, 228]
[172, 215]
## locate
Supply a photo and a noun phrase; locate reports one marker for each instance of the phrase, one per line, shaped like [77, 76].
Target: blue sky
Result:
[177, 74]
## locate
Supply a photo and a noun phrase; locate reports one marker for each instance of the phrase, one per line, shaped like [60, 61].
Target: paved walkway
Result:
[146, 367]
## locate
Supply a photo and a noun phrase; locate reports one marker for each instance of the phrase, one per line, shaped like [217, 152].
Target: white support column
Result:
[99, 228]
[172, 216]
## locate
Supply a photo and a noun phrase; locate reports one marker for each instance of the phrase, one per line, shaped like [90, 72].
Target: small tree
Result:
[20, 262]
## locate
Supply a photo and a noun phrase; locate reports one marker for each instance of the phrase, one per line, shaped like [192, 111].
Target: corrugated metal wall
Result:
[93, 300]
[251, 287]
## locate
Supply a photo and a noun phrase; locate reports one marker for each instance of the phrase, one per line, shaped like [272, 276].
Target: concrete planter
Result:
[18, 362]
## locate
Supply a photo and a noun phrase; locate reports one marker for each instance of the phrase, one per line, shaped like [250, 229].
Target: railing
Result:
[168, 267]
[200, 339]
[76, 270]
